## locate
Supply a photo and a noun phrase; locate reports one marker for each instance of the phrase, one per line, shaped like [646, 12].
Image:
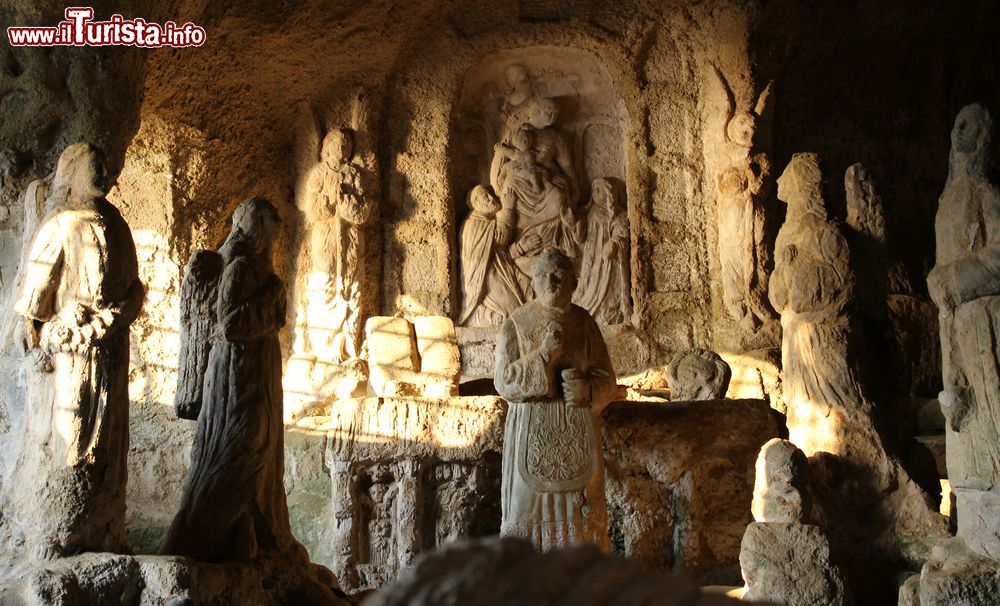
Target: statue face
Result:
[785, 185]
[523, 139]
[741, 129]
[543, 114]
[603, 197]
[484, 202]
[269, 224]
[337, 147]
[515, 74]
[967, 133]
[554, 282]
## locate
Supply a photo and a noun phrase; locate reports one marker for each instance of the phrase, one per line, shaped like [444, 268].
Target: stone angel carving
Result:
[744, 184]
[199, 292]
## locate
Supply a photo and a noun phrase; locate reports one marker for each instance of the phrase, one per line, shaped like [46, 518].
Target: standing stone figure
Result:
[744, 189]
[79, 291]
[965, 285]
[811, 286]
[783, 559]
[828, 416]
[604, 259]
[553, 367]
[492, 286]
[340, 207]
[233, 506]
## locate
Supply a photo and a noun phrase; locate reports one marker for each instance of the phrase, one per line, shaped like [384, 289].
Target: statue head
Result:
[515, 74]
[741, 129]
[972, 142]
[603, 196]
[80, 177]
[523, 138]
[780, 483]
[542, 112]
[482, 200]
[338, 147]
[801, 185]
[255, 221]
[553, 278]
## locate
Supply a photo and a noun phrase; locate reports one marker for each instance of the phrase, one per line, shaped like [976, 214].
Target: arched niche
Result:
[541, 174]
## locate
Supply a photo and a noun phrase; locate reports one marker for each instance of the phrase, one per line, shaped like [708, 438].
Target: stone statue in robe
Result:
[744, 188]
[965, 285]
[829, 415]
[811, 286]
[492, 286]
[605, 287]
[533, 175]
[552, 366]
[340, 207]
[233, 505]
[78, 292]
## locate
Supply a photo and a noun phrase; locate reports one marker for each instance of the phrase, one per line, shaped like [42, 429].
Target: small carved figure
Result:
[233, 506]
[340, 208]
[783, 559]
[605, 286]
[553, 367]
[965, 285]
[744, 188]
[698, 374]
[492, 285]
[79, 291]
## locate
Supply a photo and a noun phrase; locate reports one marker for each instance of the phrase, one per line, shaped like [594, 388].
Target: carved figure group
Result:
[553, 367]
[534, 206]
[744, 184]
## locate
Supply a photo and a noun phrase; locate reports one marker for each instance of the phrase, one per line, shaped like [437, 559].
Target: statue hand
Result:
[530, 243]
[576, 388]
[954, 406]
[552, 341]
[937, 287]
[610, 248]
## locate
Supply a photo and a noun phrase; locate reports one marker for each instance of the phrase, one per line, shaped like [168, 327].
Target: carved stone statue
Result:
[811, 286]
[79, 291]
[492, 285]
[339, 208]
[553, 367]
[233, 506]
[783, 559]
[965, 285]
[604, 258]
[829, 417]
[535, 179]
[698, 374]
[744, 189]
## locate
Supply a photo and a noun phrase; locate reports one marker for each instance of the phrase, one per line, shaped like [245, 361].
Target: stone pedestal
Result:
[954, 576]
[978, 513]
